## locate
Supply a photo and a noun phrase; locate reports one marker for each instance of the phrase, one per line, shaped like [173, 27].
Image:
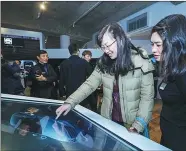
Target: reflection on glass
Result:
[29, 126]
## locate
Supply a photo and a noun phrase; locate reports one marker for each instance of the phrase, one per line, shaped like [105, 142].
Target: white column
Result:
[64, 41]
[42, 42]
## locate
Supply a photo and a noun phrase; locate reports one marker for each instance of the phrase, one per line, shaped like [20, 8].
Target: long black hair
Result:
[123, 63]
[172, 30]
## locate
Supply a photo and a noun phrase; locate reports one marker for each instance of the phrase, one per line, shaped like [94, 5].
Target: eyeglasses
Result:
[108, 47]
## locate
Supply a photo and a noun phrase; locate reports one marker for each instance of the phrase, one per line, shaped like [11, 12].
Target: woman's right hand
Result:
[63, 108]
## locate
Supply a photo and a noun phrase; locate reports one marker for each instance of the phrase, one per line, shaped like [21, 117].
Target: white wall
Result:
[157, 12]
[58, 53]
[17, 32]
[64, 53]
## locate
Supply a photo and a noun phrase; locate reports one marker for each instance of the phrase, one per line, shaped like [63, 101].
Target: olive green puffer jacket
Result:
[136, 91]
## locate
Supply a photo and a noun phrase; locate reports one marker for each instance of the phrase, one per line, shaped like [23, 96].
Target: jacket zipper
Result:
[111, 105]
[123, 97]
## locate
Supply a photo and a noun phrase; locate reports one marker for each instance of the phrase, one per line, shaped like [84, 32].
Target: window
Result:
[137, 22]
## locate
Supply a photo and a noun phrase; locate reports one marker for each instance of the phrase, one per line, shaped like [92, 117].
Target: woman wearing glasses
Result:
[126, 74]
[168, 40]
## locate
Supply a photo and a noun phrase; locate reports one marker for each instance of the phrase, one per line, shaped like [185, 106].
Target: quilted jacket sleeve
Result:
[146, 96]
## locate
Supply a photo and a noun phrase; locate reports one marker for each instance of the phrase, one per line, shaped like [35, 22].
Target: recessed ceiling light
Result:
[42, 6]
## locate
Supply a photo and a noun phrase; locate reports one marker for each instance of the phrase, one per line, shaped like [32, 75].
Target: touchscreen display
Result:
[31, 126]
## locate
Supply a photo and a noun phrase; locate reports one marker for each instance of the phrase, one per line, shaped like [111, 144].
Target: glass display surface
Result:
[31, 126]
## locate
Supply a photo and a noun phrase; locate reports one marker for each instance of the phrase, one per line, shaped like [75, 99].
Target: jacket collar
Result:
[142, 60]
[74, 56]
[42, 64]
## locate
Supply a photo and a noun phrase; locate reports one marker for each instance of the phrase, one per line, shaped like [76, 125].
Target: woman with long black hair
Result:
[168, 40]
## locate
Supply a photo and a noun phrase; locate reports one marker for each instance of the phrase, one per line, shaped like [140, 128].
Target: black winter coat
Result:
[10, 79]
[43, 89]
[73, 72]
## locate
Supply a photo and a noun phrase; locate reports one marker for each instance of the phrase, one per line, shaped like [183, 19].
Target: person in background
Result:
[43, 77]
[168, 40]
[22, 74]
[126, 74]
[92, 99]
[87, 55]
[55, 91]
[73, 72]
[11, 78]
[18, 62]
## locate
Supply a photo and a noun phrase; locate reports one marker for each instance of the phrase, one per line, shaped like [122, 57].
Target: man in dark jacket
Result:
[43, 77]
[73, 72]
[92, 99]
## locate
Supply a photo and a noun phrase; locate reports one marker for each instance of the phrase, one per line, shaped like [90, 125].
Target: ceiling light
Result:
[42, 6]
